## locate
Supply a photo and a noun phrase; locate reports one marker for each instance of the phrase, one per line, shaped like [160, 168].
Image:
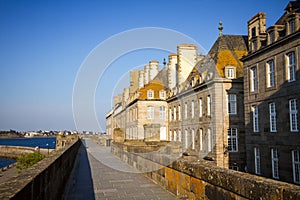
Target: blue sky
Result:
[44, 43]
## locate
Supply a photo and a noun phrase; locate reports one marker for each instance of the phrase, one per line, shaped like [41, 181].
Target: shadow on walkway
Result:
[80, 184]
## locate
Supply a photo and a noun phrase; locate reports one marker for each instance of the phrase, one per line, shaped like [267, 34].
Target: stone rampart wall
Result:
[44, 180]
[201, 180]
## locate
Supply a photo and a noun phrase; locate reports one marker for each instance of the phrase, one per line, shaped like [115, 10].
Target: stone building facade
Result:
[197, 101]
[272, 95]
[199, 115]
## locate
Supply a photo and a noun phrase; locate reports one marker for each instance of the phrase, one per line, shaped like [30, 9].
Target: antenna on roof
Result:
[220, 27]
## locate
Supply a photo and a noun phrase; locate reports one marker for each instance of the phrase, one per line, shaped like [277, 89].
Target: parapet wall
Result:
[201, 180]
[44, 180]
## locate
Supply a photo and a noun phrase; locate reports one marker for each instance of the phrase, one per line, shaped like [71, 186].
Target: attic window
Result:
[292, 26]
[272, 36]
[162, 94]
[150, 94]
[230, 72]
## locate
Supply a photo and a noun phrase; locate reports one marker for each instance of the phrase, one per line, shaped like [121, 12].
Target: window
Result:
[208, 105]
[170, 135]
[253, 79]
[292, 26]
[193, 109]
[270, 74]
[293, 115]
[179, 112]
[255, 118]
[232, 140]
[257, 160]
[193, 139]
[150, 94]
[234, 167]
[230, 72]
[174, 113]
[200, 138]
[179, 135]
[253, 32]
[175, 136]
[170, 114]
[185, 111]
[296, 165]
[291, 71]
[162, 94]
[272, 36]
[209, 140]
[275, 163]
[162, 112]
[231, 104]
[272, 111]
[254, 45]
[186, 139]
[150, 112]
[200, 107]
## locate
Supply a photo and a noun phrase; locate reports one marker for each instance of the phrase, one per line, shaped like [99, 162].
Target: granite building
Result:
[272, 95]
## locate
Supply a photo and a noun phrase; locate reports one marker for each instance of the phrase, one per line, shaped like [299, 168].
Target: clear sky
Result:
[44, 43]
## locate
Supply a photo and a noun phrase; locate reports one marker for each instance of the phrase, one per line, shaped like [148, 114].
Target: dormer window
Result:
[150, 94]
[291, 26]
[253, 32]
[162, 94]
[271, 37]
[254, 47]
[230, 72]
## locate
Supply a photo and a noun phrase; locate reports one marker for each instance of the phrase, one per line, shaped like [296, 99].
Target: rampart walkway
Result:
[97, 174]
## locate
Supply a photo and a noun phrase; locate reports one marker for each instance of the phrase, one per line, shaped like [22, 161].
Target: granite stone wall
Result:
[202, 180]
[44, 180]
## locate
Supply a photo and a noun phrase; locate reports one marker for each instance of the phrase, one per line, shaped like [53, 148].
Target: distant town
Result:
[43, 133]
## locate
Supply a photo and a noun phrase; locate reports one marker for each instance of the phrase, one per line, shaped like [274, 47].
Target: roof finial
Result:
[220, 27]
[164, 62]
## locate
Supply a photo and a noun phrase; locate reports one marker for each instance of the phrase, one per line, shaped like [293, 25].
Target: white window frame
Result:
[293, 115]
[208, 105]
[296, 166]
[209, 140]
[174, 115]
[272, 112]
[200, 107]
[233, 140]
[230, 72]
[275, 163]
[162, 94]
[253, 79]
[170, 114]
[174, 135]
[255, 118]
[257, 160]
[162, 112]
[232, 104]
[201, 139]
[186, 139]
[179, 135]
[193, 109]
[185, 110]
[150, 94]
[291, 66]
[270, 73]
[193, 139]
[150, 112]
[179, 112]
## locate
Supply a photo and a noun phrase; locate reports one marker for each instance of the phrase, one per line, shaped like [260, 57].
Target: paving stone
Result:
[98, 174]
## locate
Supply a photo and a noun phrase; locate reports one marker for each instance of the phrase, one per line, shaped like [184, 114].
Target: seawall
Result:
[201, 180]
[44, 180]
[16, 151]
